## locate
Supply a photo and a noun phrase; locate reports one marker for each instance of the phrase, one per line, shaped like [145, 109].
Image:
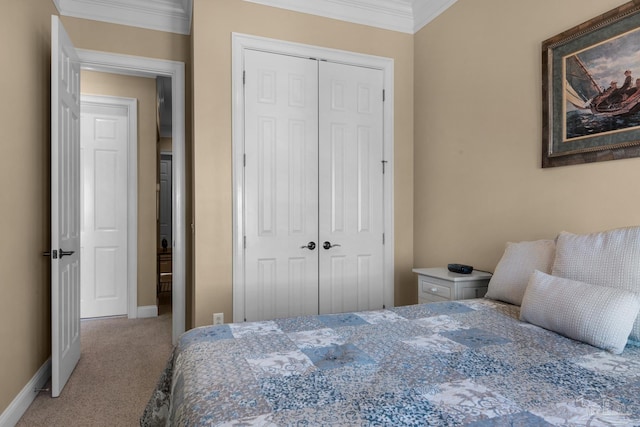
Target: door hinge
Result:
[244, 160]
[244, 77]
[384, 95]
[383, 239]
[384, 164]
[244, 242]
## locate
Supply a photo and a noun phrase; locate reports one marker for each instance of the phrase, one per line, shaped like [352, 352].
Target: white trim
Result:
[146, 311]
[395, 16]
[131, 106]
[148, 67]
[405, 16]
[240, 42]
[16, 409]
[170, 16]
[426, 11]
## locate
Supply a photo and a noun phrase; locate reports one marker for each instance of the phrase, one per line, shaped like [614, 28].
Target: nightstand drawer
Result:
[440, 284]
[435, 289]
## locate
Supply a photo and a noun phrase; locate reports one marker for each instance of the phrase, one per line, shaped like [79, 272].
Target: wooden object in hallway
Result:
[165, 276]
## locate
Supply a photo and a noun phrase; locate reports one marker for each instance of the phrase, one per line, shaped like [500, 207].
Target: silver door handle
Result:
[328, 245]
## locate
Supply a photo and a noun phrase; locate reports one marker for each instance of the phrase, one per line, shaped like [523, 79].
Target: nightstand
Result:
[439, 284]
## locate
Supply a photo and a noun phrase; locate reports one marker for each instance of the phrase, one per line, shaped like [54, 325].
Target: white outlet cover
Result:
[218, 318]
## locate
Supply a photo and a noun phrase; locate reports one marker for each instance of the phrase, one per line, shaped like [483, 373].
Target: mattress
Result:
[454, 363]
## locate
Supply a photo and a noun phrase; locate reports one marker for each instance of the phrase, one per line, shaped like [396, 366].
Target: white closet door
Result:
[350, 188]
[281, 186]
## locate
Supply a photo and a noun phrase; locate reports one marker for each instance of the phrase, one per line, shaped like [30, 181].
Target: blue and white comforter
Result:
[469, 362]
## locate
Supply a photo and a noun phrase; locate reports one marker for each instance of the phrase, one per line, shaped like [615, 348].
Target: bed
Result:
[479, 362]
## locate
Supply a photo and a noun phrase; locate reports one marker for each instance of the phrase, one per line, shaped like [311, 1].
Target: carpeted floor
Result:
[119, 366]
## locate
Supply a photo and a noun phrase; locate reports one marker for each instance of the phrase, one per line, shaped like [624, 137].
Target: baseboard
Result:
[147, 311]
[20, 404]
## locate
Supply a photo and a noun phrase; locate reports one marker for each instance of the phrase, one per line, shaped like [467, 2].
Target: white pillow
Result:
[609, 258]
[598, 315]
[518, 262]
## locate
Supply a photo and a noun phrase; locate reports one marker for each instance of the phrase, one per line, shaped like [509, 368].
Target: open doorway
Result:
[120, 174]
[164, 226]
[165, 239]
[152, 68]
[66, 64]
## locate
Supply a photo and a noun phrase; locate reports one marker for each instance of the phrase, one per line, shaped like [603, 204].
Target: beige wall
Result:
[24, 172]
[164, 145]
[144, 90]
[478, 180]
[214, 21]
[25, 28]
[102, 36]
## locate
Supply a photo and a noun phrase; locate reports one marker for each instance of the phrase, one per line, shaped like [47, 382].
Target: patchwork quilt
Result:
[469, 362]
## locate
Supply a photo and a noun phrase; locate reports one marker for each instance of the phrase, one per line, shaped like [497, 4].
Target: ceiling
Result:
[174, 16]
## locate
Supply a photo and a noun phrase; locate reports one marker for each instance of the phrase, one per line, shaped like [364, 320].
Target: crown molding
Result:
[172, 16]
[406, 16]
[425, 11]
[386, 14]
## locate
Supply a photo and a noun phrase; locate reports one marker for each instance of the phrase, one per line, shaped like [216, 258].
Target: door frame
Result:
[151, 68]
[131, 107]
[241, 42]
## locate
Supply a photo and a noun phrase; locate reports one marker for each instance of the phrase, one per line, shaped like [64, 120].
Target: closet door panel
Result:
[350, 188]
[281, 186]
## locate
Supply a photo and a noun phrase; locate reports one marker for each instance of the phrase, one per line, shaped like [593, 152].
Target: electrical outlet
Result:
[218, 318]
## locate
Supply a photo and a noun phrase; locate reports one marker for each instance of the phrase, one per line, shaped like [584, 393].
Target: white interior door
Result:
[281, 190]
[65, 207]
[351, 218]
[104, 163]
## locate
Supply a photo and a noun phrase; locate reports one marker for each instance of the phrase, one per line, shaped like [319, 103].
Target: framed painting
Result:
[591, 90]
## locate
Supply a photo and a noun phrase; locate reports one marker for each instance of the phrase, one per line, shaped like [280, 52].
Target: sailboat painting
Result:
[602, 87]
[591, 90]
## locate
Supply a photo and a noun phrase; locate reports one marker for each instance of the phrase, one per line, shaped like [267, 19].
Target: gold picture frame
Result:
[591, 90]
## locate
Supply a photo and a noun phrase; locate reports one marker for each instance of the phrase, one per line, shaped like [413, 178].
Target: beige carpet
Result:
[119, 366]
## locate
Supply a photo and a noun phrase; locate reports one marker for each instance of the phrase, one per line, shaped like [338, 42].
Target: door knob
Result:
[66, 253]
[328, 245]
[311, 246]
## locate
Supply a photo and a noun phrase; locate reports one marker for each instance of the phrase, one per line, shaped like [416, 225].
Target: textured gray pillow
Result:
[598, 315]
[518, 262]
[609, 258]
